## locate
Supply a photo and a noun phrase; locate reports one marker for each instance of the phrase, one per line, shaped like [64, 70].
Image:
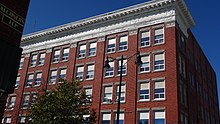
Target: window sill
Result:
[91, 56]
[143, 100]
[65, 60]
[89, 79]
[145, 46]
[122, 102]
[159, 44]
[40, 65]
[81, 58]
[110, 52]
[122, 50]
[144, 72]
[118, 75]
[32, 66]
[158, 100]
[159, 70]
[55, 62]
[109, 76]
[107, 103]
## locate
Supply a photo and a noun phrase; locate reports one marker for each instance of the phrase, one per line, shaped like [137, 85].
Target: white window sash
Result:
[121, 116]
[42, 55]
[93, 45]
[145, 34]
[66, 50]
[159, 115]
[144, 86]
[22, 60]
[159, 56]
[108, 89]
[34, 57]
[145, 58]
[39, 75]
[106, 116]
[18, 78]
[123, 88]
[53, 73]
[80, 69]
[90, 67]
[88, 91]
[159, 84]
[82, 47]
[30, 76]
[57, 52]
[111, 41]
[144, 115]
[124, 38]
[159, 31]
[63, 71]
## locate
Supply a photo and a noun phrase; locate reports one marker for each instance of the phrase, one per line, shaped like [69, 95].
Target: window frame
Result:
[141, 39]
[82, 53]
[160, 93]
[139, 90]
[159, 65]
[113, 49]
[121, 45]
[163, 37]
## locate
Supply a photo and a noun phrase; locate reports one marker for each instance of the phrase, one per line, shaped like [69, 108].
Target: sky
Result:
[43, 14]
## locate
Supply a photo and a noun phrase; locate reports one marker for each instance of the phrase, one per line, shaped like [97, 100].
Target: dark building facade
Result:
[175, 84]
[12, 19]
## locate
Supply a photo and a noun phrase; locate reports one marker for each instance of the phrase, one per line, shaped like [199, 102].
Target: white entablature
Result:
[127, 19]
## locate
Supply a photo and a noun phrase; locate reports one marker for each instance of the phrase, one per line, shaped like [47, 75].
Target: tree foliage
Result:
[65, 105]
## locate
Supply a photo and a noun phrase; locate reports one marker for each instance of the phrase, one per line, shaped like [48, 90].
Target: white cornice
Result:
[130, 18]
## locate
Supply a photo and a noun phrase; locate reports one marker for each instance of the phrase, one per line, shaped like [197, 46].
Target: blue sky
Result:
[44, 14]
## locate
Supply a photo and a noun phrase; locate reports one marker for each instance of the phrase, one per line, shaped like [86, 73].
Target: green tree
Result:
[66, 104]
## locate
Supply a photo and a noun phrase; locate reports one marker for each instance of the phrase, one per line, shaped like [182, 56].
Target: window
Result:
[145, 38]
[107, 94]
[144, 91]
[123, 91]
[8, 120]
[41, 59]
[30, 80]
[121, 118]
[56, 56]
[145, 66]
[33, 60]
[159, 117]
[79, 72]
[143, 117]
[53, 75]
[22, 119]
[111, 45]
[65, 55]
[62, 73]
[106, 118]
[90, 72]
[124, 66]
[92, 49]
[82, 51]
[12, 102]
[85, 119]
[182, 65]
[17, 81]
[34, 98]
[25, 100]
[158, 36]
[159, 63]
[38, 79]
[159, 89]
[21, 63]
[88, 91]
[110, 71]
[123, 43]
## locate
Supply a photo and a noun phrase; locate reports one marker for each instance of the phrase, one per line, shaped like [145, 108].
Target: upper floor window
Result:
[79, 72]
[25, 101]
[29, 80]
[111, 45]
[159, 36]
[34, 98]
[145, 66]
[159, 63]
[17, 81]
[144, 91]
[124, 66]
[121, 118]
[21, 63]
[11, 102]
[123, 43]
[41, 59]
[143, 117]
[106, 118]
[159, 89]
[82, 51]
[88, 91]
[145, 38]
[56, 56]
[38, 79]
[53, 75]
[159, 117]
[33, 60]
[62, 73]
[110, 71]
[92, 49]
[90, 71]
[107, 97]
[65, 55]
[8, 120]
[22, 119]
[123, 92]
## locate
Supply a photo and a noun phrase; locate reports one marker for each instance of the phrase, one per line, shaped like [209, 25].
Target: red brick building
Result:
[175, 84]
